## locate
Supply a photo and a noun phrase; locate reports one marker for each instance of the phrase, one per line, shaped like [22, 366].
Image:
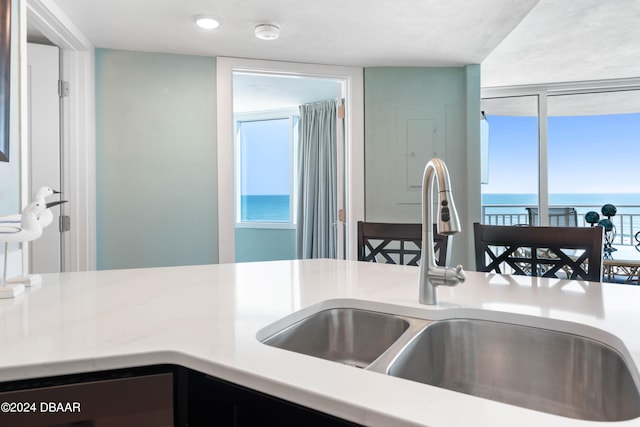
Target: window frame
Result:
[291, 114]
[543, 91]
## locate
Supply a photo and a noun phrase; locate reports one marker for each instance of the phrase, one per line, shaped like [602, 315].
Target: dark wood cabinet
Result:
[235, 406]
[123, 399]
[154, 396]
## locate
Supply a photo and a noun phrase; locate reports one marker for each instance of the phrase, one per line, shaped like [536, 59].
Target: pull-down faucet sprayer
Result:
[432, 275]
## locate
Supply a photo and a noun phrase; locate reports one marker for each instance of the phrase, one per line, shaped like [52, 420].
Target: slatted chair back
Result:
[561, 252]
[395, 243]
[558, 217]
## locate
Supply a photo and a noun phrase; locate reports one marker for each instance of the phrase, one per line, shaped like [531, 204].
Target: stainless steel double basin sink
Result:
[542, 369]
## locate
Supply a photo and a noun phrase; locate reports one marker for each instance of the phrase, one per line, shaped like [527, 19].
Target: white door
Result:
[44, 147]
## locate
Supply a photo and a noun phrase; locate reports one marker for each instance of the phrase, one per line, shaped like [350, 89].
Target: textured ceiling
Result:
[355, 32]
[518, 42]
[567, 41]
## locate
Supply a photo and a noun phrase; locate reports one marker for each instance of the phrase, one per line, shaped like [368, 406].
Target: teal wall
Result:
[155, 159]
[156, 156]
[264, 244]
[412, 115]
[472, 211]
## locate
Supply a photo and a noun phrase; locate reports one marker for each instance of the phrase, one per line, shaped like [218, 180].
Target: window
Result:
[593, 156]
[512, 175]
[587, 149]
[264, 183]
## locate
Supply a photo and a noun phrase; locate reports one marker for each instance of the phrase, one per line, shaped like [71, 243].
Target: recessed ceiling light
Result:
[267, 31]
[207, 21]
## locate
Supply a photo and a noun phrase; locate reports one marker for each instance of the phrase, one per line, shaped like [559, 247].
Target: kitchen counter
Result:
[207, 318]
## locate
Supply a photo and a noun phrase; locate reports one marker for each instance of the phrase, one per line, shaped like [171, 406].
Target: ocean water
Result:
[265, 208]
[580, 199]
[625, 202]
[275, 208]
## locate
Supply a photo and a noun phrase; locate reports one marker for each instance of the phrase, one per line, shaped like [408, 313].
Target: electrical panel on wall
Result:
[420, 136]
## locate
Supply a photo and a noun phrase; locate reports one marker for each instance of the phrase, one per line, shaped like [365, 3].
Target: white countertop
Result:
[207, 318]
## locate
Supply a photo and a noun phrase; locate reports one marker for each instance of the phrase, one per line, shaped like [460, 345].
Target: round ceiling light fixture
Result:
[267, 31]
[208, 22]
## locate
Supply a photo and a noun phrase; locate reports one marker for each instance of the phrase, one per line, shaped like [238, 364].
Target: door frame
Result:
[354, 142]
[78, 129]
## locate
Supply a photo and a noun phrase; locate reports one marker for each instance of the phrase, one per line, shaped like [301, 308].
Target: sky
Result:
[265, 155]
[587, 154]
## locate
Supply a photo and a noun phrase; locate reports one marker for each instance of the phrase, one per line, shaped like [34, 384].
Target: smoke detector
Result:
[267, 31]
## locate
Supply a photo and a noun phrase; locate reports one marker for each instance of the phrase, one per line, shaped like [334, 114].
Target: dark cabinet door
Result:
[220, 403]
[141, 401]
[151, 396]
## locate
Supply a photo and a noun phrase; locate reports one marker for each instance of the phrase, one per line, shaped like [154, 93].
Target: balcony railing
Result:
[626, 220]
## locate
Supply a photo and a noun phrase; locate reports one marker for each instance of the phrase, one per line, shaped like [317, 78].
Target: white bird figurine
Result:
[29, 229]
[46, 218]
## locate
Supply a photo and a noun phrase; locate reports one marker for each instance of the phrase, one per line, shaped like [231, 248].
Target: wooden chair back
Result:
[562, 252]
[396, 243]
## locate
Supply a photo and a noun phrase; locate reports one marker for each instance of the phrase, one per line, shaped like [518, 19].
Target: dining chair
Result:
[561, 252]
[396, 243]
[558, 217]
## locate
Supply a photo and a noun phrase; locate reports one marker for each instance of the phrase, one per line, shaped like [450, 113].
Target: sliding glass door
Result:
[594, 148]
[562, 151]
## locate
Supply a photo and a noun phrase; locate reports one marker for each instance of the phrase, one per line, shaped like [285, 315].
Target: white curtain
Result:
[317, 214]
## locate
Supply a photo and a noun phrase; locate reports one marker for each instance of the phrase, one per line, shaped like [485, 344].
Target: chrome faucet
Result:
[432, 275]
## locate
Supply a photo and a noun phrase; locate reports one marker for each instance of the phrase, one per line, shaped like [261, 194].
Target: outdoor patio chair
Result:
[395, 243]
[561, 252]
[558, 217]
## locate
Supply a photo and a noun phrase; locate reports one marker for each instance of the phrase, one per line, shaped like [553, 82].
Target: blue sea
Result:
[626, 203]
[275, 208]
[265, 208]
[574, 199]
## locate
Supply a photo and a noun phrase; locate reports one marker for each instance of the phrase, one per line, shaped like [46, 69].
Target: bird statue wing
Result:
[45, 218]
[30, 227]
[10, 219]
[40, 195]
[10, 234]
[6, 229]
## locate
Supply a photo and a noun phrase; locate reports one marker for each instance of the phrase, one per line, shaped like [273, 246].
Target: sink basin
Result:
[549, 371]
[546, 370]
[351, 336]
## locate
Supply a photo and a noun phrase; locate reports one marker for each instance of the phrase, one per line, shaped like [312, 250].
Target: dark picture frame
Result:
[5, 77]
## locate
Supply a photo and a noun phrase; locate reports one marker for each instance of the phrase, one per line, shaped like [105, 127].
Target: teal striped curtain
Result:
[317, 213]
